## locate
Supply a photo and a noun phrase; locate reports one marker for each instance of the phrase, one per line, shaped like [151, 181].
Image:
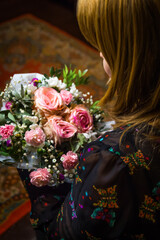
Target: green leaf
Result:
[64, 74]
[79, 73]
[2, 119]
[95, 103]
[4, 153]
[11, 117]
[84, 72]
[66, 69]
[52, 71]
[22, 91]
[17, 95]
[46, 76]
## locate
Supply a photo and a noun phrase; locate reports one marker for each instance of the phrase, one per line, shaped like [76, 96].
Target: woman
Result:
[116, 194]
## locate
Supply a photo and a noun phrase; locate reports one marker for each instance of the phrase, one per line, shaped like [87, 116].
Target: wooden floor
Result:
[63, 15]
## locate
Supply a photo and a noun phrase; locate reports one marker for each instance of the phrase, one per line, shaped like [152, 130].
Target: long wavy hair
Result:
[127, 32]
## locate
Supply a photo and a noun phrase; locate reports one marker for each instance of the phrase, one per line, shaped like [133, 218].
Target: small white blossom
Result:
[21, 110]
[74, 91]
[33, 119]
[61, 85]
[33, 126]
[31, 89]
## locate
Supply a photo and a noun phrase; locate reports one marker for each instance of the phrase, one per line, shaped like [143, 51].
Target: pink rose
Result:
[6, 131]
[69, 160]
[66, 96]
[81, 118]
[48, 99]
[35, 137]
[58, 129]
[8, 105]
[40, 177]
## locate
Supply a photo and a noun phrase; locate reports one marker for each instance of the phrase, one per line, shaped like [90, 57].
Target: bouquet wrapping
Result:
[45, 122]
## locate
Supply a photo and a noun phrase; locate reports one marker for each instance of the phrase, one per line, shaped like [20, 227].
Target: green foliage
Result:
[2, 119]
[11, 117]
[22, 91]
[79, 142]
[95, 108]
[4, 153]
[72, 76]
[55, 72]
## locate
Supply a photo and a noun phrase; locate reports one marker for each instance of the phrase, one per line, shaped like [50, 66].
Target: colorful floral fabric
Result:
[115, 195]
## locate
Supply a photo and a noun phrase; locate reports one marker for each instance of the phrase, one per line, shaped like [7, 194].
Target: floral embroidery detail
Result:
[105, 205]
[90, 149]
[34, 222]
[112, 150]
[77, 179]
[90, 237]
[150, 206]
[135, 160]
[148, 209]
[60, 213]
[74, 215]
[104, 214]
[101, 139]
[108, 197]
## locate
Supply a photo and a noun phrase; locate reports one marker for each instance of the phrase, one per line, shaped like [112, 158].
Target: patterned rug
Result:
[28, 44]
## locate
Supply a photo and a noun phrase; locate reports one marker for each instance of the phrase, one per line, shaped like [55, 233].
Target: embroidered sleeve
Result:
[96, 202]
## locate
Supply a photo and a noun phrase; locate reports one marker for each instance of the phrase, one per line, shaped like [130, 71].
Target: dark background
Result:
[60, 13]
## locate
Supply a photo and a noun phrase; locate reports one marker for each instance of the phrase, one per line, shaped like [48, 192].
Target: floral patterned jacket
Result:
[116, 194]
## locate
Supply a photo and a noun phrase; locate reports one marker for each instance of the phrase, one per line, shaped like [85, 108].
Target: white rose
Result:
[53, 82]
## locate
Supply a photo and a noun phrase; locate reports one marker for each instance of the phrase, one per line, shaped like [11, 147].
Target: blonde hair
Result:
[127, 32]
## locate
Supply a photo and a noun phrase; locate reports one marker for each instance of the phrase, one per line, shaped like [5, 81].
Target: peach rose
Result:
[35, 137]
[66, 96]
[48, 99]
[69, 160]
[40, 177]
[57, 129]
[81, 118]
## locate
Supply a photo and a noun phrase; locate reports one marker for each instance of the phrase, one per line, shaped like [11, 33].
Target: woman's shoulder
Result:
[120, 149]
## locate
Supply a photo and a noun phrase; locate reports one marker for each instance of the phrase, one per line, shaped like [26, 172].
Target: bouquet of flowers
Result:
[45, 122]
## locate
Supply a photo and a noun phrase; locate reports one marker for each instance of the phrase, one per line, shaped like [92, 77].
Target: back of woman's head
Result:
[127, 32]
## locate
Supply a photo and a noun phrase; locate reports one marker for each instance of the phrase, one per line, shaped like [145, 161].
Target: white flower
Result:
[31, 89]
[33, 119]
[33, 126]
[74, 91]
[90, 134]
[61, 85]
[53, 82]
